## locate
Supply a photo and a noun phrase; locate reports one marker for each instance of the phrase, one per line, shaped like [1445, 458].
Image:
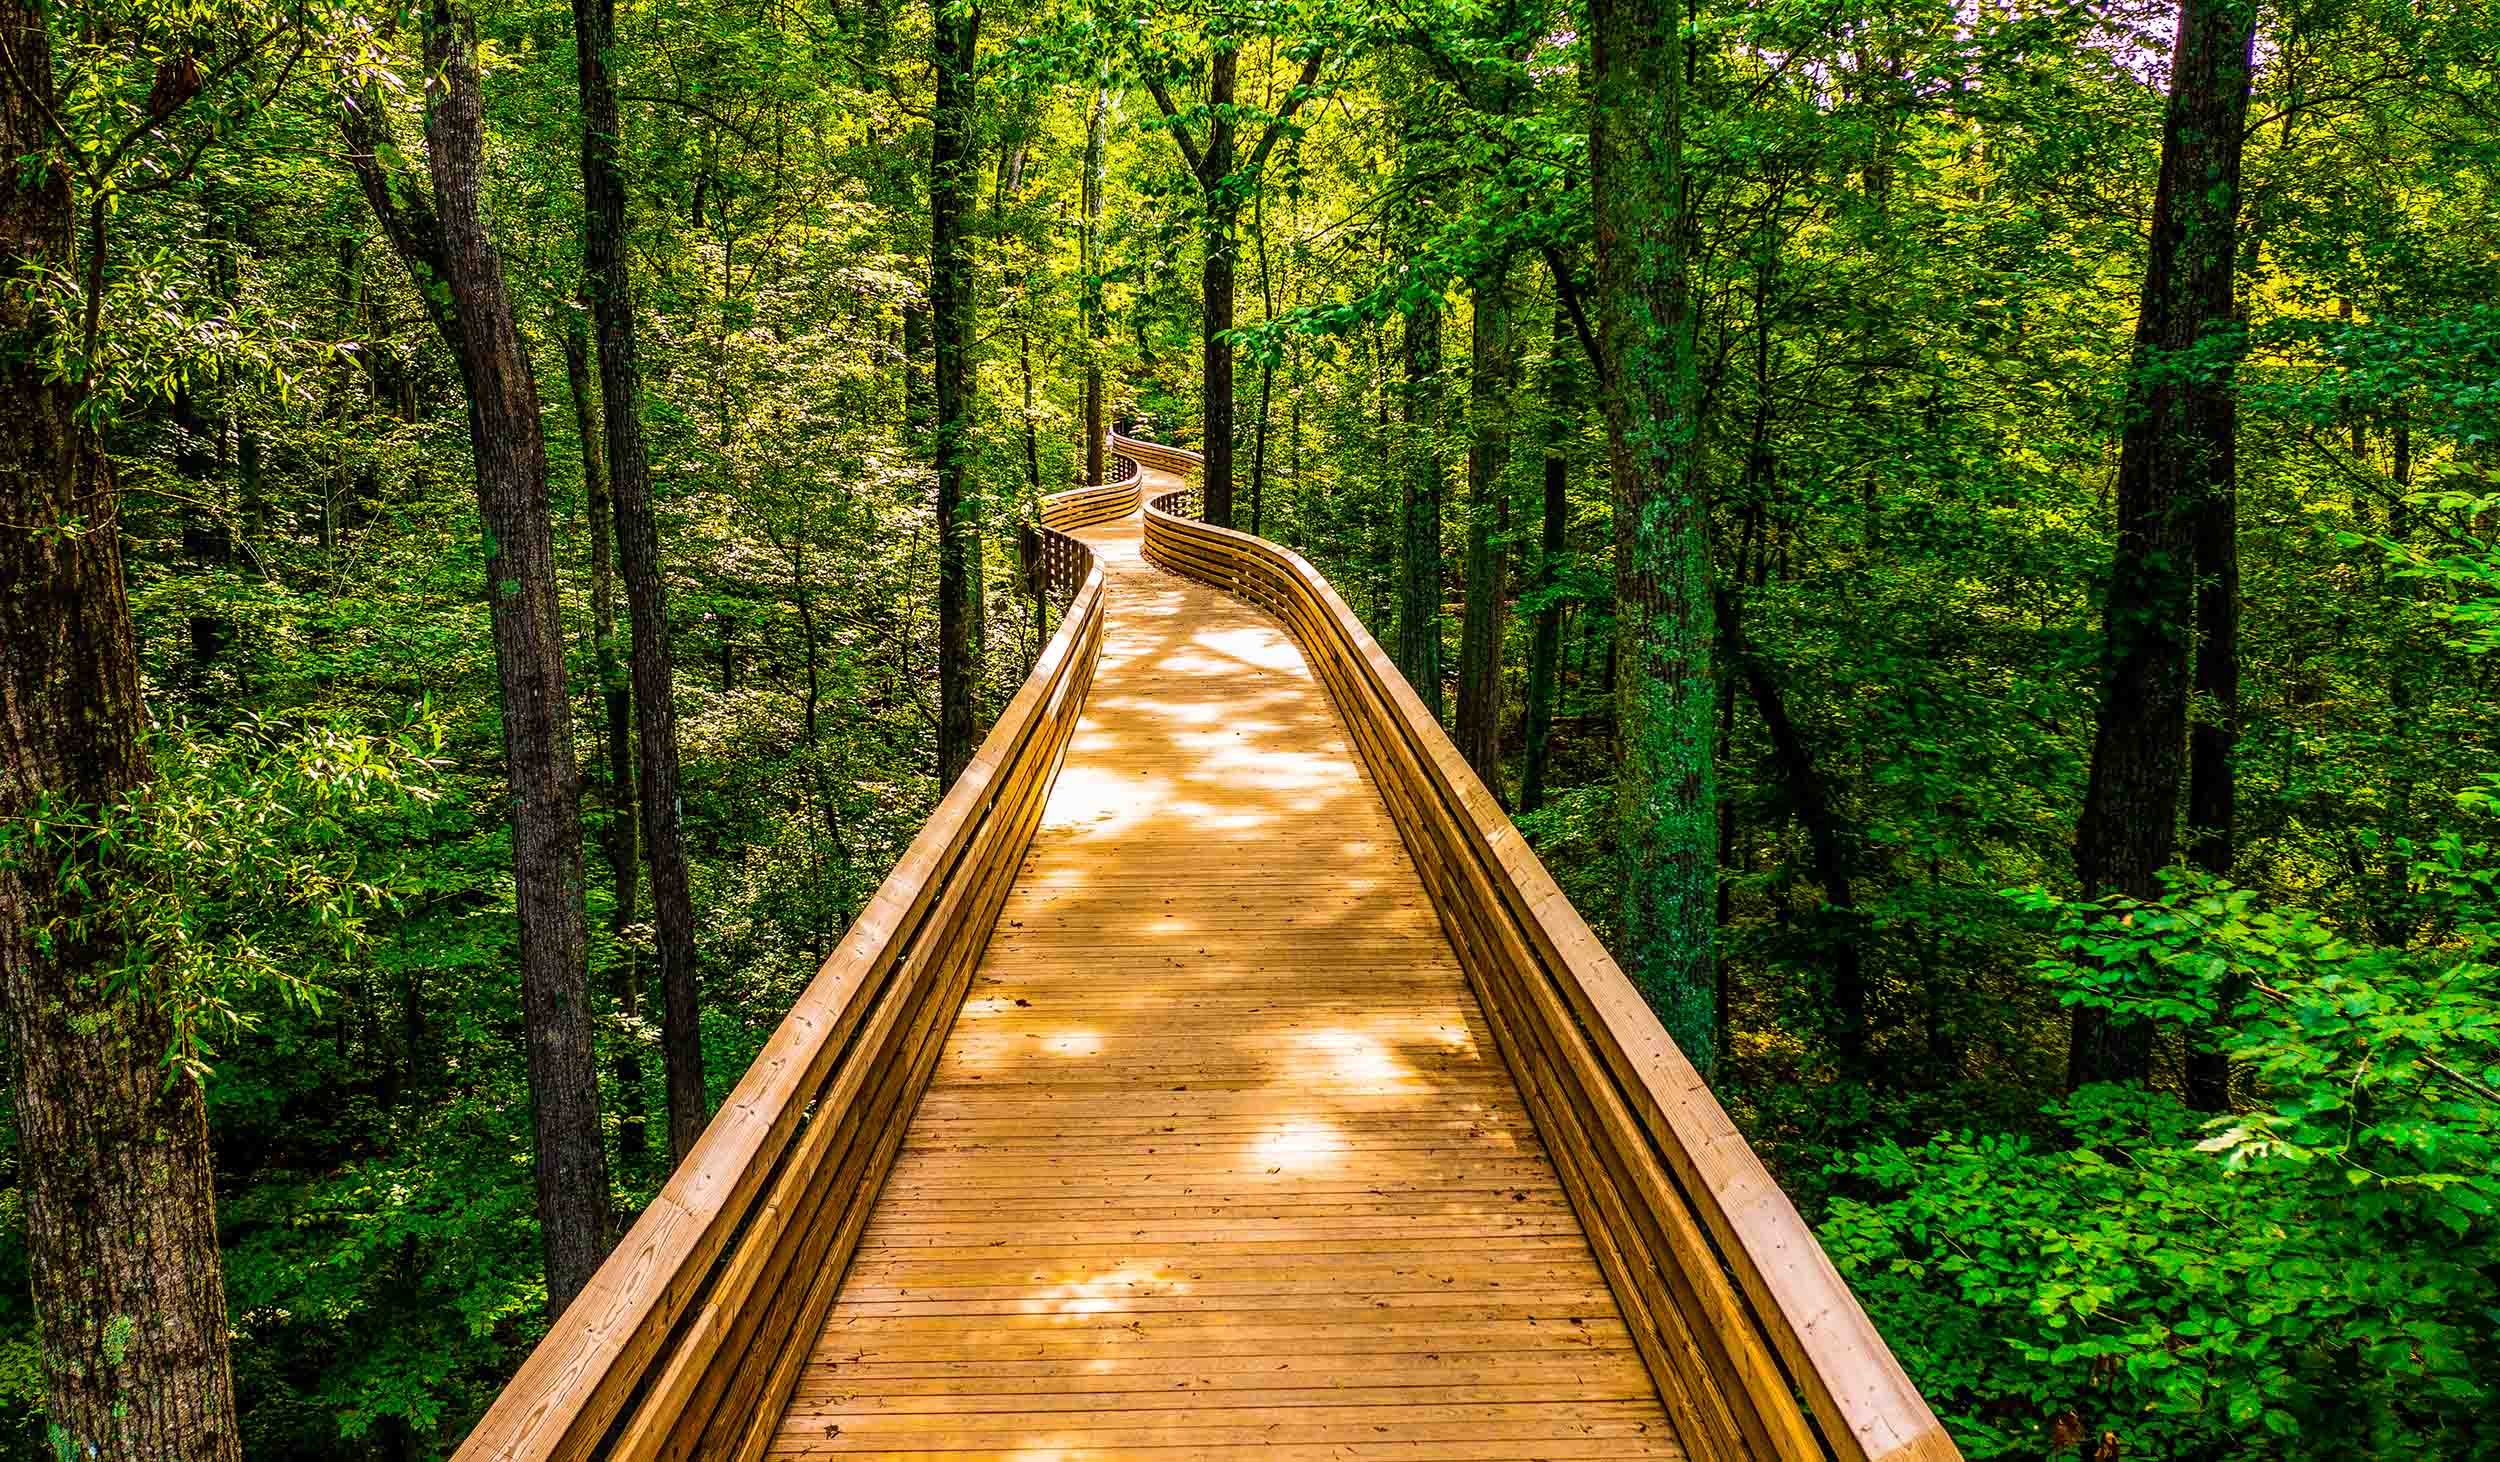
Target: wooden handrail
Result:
[1157, 455]
[1755, 1343]
[1102, 502]
[689, 1340]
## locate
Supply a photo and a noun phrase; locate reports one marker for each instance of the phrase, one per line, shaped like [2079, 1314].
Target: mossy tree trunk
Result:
[1423, 479]
[1090, 241]
[1545, 644]
[950, 310]
[112, 1150]
[1666, 832]
[1491, 380]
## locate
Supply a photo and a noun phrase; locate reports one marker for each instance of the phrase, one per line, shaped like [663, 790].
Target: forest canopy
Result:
[1964, 536]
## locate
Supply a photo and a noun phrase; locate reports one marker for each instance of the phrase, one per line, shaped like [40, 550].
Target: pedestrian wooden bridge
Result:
[1218, 1073]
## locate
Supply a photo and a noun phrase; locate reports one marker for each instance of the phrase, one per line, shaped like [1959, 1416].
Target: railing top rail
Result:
[1157, 454]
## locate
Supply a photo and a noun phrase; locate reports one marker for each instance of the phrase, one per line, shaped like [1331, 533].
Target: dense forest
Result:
[1966, 536]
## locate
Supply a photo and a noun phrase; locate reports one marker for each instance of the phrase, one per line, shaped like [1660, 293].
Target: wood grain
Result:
[1218, 1070]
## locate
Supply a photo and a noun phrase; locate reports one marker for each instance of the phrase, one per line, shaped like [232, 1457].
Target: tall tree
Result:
[1545, 643]
[646, 587]
[951, 182]
[1223, 188]
[2176, 487]
[112, 1147]
[1492, 378]
[1666, 833]
[1089, 241]
[445, 245]
[1423, 480]
[619, 841]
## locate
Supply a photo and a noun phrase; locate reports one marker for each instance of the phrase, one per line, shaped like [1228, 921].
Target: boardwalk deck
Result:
[1220, 1156]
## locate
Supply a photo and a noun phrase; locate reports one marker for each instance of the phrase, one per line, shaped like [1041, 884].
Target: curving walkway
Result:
[1220, 1156]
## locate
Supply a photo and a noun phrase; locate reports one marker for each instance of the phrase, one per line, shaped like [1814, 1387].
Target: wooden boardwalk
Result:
[1220, 1156]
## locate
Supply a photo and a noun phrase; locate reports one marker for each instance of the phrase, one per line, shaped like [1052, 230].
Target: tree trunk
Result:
[2213, 736]
[1419, 566]
[1545, 648]
[619, 840]
[1267, 374]
[511, 461]
[112, 1151]
[1216, 285]
[444, 243]
[950, 306]
[2175, 495]
[1492, 375]
[1666, 813]
[1091, 241]
[646, 587]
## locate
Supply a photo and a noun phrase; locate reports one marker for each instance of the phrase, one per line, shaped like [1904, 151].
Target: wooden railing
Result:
[690, 1338]
[1756, 1345]
[1054, 562]
[1104, 502]
[1156, 454]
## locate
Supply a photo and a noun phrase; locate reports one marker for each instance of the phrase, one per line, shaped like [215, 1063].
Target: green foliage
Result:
[1915, 244]
[2321, 1268]
[229, 879]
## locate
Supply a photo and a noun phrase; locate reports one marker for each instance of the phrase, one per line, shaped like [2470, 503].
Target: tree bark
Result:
[2175, 492]
[1419, 565]
[1665, 794]
[1216, 290]
[1267, 376]
[448, 252]
[619, 839]
[113, 1157]
[1091, 240]
[1492, 378]
[950, 307]
[646, 586]
[916, 409]
[1545, 647]
[2213, 740]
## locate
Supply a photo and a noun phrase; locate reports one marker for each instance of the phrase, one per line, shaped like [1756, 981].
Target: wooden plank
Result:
[742, 1419]
[1208, 1157]
[764, 1374]
[1631, 1200]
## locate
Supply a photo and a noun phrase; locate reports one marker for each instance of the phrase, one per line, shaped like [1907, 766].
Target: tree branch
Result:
[1569, 294]
[1293, 99]
[1180, 133]
[401, 206]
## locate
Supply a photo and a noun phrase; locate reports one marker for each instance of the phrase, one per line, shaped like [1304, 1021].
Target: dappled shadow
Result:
[1219, 1153]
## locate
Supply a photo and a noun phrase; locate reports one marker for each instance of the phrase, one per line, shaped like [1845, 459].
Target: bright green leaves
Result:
[230, 880]
[2316, 1266]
